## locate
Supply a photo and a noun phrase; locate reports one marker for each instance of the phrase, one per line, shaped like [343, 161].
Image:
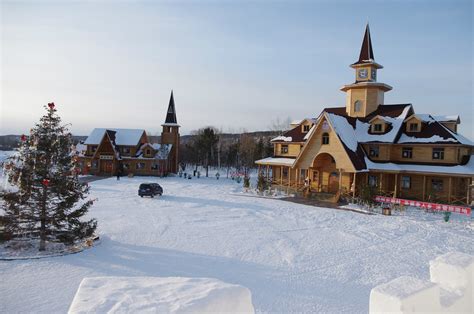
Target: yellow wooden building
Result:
[369, 143]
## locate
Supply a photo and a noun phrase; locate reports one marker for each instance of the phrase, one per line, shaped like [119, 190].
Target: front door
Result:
[106, 167]
[333, 182]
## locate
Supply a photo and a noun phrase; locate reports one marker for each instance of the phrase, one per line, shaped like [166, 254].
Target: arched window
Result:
[357, 106]
[325, 138]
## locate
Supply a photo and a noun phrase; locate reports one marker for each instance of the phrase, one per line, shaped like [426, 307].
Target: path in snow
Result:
[294, 258]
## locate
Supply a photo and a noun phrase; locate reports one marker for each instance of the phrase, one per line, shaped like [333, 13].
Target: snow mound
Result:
[160, 295]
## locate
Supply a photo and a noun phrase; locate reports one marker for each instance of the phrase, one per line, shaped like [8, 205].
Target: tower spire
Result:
[366, 52]
[171, 113]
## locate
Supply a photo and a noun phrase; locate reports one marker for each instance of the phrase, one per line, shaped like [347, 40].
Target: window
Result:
[93, 148]
[126, 166]
[438, 153]
[325, 138]
[374, 151]
[372, 181]
[306, 128]
[95, 163]
[126, 150]
[140, 165]
[357, 106]
[406, 182]
[413, 127]
[155, 167]
[407, 152]
[148, 152]
[285, 172]
[284, 149]
[437, 185]
[377, 127]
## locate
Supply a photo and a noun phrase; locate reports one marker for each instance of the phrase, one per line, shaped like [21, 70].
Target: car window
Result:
[144, 186]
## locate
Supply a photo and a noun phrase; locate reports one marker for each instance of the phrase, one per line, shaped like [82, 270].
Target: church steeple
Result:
[365, 94]
[366, 51]
[170, 134]
[171, 113]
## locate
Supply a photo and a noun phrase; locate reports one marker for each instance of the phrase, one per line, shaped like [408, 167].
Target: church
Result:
[390, 148]
[108, 151]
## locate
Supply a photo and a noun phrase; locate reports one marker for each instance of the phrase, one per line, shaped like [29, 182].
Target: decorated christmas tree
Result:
[47, 202]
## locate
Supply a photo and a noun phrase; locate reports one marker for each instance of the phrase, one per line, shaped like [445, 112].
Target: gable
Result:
[315, 146]
[105, 147]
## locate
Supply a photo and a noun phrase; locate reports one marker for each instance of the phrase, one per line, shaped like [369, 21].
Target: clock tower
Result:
[365, 94]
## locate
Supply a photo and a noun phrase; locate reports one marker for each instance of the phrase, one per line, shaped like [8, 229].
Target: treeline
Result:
[207, 147]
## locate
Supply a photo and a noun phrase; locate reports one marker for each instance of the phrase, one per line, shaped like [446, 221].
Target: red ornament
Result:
[45, 182]
[23, 137]
[51, 105]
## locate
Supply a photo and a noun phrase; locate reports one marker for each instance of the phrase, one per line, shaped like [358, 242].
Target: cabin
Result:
[108, 151]
[387, 147]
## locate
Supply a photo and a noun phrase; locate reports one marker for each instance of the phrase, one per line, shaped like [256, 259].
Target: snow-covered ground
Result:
[293, 258]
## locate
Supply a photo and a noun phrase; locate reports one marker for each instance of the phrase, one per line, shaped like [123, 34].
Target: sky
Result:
[236, 65]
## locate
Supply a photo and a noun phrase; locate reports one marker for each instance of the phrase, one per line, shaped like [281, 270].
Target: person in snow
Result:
[119, 171]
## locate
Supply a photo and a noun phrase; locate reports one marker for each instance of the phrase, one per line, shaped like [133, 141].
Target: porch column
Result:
[340, 180]
[381, 180]
[297, 177]
[289, 176]
[258, 170]
[424, 188]
[268, 172]
[281, 175]
[395, 192]
[354, 183]
[468, 196]
[450, 181]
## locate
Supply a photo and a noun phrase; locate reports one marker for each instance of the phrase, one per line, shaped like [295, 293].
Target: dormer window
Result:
[284, 149]
[148, 152]
[377, 127]
[325, 139]
[413, 127]
[357, 106]
[374, 151]
[306, 128]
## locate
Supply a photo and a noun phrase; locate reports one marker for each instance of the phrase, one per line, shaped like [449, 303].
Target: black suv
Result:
[150, 189]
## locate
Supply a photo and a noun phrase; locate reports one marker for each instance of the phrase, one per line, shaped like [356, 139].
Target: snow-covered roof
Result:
[276, 161]
[467, 169]
[282, 138]
[128, 137]
[434, 139]
[161, 150]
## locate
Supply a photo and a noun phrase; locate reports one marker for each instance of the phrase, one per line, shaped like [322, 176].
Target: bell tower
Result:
[170, 134]
[365, 94]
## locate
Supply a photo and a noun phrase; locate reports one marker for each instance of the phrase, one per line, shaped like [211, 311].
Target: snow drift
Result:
[160, 295]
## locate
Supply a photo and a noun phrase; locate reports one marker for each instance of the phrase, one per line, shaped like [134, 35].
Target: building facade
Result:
[108, 152]
[388, 147]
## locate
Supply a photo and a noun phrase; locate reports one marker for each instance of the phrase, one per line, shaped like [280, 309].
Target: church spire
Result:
[171, 113]
[366, 52]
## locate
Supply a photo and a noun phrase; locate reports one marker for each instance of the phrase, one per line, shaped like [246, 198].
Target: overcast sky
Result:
[232, 64]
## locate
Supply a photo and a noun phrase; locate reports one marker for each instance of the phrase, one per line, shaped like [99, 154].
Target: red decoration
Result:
[23, 137]
[51, 105]
[424, 205]
[45, 182]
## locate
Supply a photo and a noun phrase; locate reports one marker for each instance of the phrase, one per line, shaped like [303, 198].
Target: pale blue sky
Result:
[232, 64]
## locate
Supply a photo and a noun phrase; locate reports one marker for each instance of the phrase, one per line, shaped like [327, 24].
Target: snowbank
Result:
[160, 295]
[450, 289]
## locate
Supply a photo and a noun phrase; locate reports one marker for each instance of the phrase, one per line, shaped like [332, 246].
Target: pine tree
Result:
[48, 201]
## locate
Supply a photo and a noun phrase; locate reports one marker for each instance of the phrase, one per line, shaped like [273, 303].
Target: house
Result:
[108, 150]
[388, 147]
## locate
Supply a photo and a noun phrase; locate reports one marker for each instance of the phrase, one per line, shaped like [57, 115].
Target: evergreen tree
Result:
[48, 201]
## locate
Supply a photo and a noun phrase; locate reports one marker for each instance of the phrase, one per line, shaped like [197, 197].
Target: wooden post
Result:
[450, 181]
[268, 172]
[289, 176]
[395, 192]
[354, 183]
[281, 175]
[340, 180]
[424, 188]
[468, 195]
[258, 173]
[381, 180]
[297, 177]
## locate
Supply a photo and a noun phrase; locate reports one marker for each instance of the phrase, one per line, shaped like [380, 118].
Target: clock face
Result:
[373, 74]
[363, 73]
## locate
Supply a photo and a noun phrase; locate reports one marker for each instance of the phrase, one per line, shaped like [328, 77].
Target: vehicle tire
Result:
[141, 196]
[152, 196]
